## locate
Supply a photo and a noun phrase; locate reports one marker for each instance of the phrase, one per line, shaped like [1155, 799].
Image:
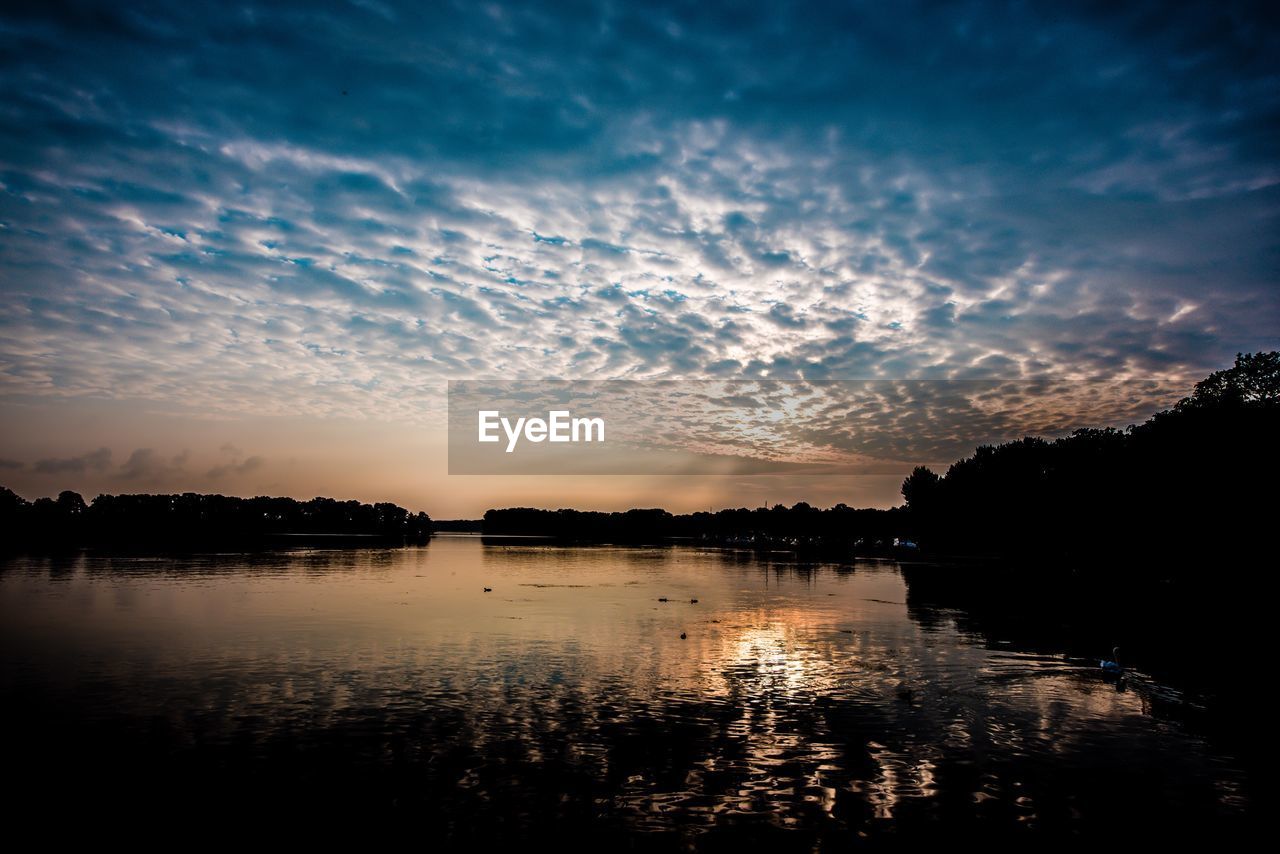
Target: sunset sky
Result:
[244, 247]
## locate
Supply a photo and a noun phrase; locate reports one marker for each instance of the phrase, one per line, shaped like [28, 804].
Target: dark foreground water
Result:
[808, 706]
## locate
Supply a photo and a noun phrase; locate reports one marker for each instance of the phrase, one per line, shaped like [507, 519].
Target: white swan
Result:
[1112, 665]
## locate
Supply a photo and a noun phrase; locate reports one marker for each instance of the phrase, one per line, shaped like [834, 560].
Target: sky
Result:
[243, 248]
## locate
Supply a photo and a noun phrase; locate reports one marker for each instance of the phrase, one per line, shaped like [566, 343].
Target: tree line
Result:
[798, 527]
[192, 519]
[1194, 481]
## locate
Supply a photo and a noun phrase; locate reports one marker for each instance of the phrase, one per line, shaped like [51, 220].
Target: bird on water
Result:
[1112, 665]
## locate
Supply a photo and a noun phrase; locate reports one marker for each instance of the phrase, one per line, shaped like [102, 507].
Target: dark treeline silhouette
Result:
[799, 527]
[191, 519]
[1195, 480]
[457, 526]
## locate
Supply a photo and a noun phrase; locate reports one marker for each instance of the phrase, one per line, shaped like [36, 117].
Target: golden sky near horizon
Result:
[153, 450]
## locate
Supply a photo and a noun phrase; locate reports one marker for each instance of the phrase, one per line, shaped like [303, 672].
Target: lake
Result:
[793, 705]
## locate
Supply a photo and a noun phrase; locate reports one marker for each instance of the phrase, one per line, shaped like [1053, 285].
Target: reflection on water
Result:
[800, 697]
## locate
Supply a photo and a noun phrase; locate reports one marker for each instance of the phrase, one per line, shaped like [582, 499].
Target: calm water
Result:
[806, 705]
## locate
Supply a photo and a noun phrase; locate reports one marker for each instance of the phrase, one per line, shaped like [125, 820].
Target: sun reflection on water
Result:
[799, 695]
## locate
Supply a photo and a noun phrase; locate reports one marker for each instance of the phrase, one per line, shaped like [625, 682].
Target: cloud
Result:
[147, 465]
[609, 191]
[245, 466]
[92, 461]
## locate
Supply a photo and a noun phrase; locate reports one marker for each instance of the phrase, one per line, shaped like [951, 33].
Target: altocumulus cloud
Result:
[271, 208]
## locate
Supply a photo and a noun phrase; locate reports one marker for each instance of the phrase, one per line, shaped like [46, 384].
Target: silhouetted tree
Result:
[1193, 481]
[1254, 379]
[920, 489]
[70, 503]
